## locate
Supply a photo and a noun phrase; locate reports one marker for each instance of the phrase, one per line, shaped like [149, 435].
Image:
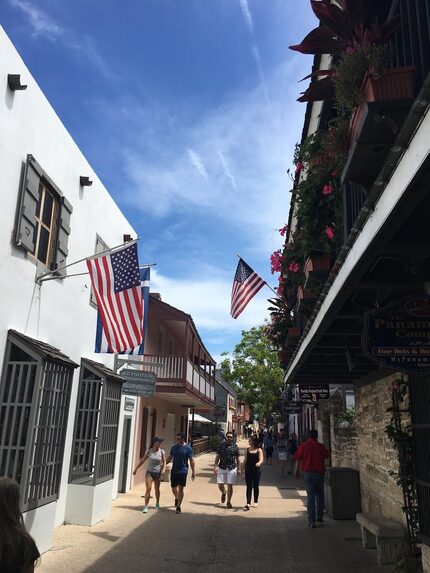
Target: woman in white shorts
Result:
[156, 466]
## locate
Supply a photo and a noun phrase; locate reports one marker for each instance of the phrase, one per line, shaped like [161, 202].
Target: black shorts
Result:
[178, 479]
[156, 476]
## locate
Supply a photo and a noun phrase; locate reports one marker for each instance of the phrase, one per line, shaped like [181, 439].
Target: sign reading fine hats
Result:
[138, 383]
[314, 392]
[399, 335]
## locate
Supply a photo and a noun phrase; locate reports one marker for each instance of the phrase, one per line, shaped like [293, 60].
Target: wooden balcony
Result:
[180, 381]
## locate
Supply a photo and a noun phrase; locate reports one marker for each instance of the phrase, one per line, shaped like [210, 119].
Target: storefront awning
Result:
[198, 418]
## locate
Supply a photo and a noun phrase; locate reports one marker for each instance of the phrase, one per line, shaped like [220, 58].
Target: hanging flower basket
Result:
[284, 357]
[317, 265]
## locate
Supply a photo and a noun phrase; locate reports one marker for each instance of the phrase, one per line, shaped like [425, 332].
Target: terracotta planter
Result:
[294, 333]
[318, 265]
[397, 83]
[305, 294]
[284, 357]
[324, 158]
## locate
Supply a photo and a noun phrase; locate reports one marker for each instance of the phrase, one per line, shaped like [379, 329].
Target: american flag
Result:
[115, 280]
[101, 345]
[246, 284]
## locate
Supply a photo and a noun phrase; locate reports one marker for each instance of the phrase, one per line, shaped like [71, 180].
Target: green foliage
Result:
[255, 369]
[346, 415]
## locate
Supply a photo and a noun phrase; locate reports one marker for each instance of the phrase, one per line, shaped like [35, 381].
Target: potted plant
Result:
[317, 264]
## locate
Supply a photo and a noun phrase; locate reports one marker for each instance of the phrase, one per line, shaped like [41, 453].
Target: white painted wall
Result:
[57, 312]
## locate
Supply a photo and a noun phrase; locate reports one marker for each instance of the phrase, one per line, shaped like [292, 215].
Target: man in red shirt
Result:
[310, 458]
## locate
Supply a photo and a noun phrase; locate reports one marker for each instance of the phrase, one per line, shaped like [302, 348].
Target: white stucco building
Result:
[61, 416]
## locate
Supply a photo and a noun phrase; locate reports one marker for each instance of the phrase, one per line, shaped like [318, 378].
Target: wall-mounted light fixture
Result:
[127, 238]
[85, 181]
[14, 82]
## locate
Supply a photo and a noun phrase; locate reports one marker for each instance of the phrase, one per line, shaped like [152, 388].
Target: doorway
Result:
[125, 450]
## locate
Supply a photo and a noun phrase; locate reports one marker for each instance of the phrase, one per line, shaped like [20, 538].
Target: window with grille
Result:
[34, 405]
[96, 425]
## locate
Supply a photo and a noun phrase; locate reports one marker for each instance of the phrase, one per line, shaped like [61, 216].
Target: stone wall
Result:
[343, 446]
[376, 456]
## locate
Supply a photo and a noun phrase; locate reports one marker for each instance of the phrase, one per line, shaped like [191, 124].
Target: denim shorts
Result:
[156, 476]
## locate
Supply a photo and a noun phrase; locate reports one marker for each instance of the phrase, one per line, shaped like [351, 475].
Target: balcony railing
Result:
[171, 367]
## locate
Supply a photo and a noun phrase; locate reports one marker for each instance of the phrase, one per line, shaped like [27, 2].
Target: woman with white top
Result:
[156, 467]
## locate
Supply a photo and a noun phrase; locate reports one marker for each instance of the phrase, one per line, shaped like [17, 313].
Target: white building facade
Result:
[61, 411]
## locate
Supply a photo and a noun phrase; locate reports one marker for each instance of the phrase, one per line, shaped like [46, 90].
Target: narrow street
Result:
[208, 537]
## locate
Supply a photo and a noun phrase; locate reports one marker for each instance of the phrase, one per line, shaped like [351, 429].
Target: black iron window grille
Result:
[34, 405]
[96, 425]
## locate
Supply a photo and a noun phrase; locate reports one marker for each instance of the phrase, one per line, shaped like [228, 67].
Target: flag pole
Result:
[146, 266]
[268, 286]
[40, 278]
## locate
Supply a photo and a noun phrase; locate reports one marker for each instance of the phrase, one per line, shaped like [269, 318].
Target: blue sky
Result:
[187, 111]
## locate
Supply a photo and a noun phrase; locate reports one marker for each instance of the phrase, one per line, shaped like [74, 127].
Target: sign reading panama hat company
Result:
[398, 335]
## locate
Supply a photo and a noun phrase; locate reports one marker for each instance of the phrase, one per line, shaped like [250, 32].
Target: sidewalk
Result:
[208, 537]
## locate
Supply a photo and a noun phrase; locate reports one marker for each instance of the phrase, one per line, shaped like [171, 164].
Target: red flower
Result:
[329, 232]
[283, 230]
[294, 267]
[327, 190]
[280, 290]
[299, 167]
[276, 262]
[334, 174]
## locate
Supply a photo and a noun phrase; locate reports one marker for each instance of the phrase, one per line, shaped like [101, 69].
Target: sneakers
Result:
[255, 504]
[247, 507]
[157, 505]
[145, 509]
[178, 509]
[176, 503]
[229, 506]
[312, 525]
[223, 496]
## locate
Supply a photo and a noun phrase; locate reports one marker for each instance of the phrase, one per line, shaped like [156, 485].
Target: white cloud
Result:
[247, 16]
[41, 23]
[197, 162]
[226, 168]
[207, 300]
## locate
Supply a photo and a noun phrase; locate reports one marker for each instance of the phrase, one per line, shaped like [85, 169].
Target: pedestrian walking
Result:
[269, 444]
[181, 453]
[252, 464]
[156, 457]
[226, 467]
[310, 459]
[18, 551]
[282, 449]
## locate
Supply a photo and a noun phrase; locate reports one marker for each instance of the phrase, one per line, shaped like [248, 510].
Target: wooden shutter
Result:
[63, 233]
[29, 198]
[143, 432]
[154, 423]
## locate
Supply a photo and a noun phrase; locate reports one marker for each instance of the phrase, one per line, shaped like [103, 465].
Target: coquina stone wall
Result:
[344, 446]
[376, 456]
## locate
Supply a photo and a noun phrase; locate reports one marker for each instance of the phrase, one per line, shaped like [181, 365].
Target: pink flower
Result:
[283, 230]
[294, 267]
[334, 174]
[281, 279]
[280, 290]
[327, 190]
[276, 262]
[329, 232]
[299, 167]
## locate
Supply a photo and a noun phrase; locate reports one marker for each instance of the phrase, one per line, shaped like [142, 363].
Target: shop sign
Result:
[138, 383]
[290, 406]
[314, 392]
[398, 335]
[128, 404]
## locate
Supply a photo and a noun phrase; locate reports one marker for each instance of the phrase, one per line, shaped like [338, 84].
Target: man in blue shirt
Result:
[180, 453]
